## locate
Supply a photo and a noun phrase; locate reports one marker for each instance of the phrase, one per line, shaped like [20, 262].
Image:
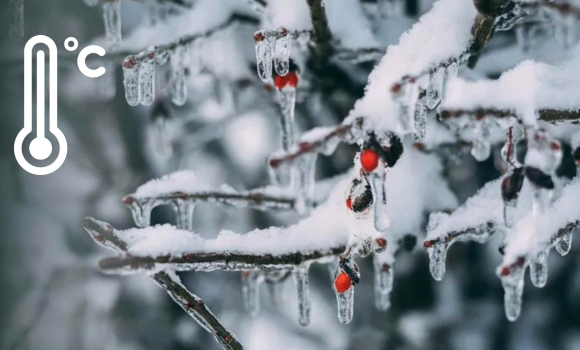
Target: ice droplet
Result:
[91, 3]
[282, 53]
[303, 182]
[275, 282]
[131, 80]
[379, 190]
[437, 254]
[179, 96]
[539, 270]
[184, 213]
[564, 243]
[16, 19]
[420, 117]
[383, 284]
[513, 285]
[112, 19]
[251, 283]
[147, 78]
[435, 88]
[300, 274]
[287, 101]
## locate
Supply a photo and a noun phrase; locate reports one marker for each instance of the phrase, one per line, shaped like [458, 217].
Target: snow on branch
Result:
[530, 91]
[107, 237]
[184, 189]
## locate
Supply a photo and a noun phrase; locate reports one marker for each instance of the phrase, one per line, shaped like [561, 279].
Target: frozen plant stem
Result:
[105, 236]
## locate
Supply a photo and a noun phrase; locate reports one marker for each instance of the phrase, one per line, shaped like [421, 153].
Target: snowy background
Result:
[53, 295]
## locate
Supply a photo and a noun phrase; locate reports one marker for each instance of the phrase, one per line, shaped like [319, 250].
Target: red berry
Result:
[428, 244]
[349, 203]
[369, 160]
[342, 283]
[290, 79]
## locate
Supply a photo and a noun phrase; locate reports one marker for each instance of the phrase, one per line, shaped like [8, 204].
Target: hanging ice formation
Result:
[272, 51]
[251, 284]
[300, 274]
[179, 96]
[112, 20]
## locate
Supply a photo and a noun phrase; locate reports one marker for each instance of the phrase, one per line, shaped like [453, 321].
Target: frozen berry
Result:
[369, 160]
[342, 283]
[290, 79]
[349, 203]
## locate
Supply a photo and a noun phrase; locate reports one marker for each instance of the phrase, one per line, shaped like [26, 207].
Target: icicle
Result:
[131, 80]
[383, 284]
[112, 18]
[287, 101]
[264, 41]
[108, 83]
[91, 3]
[164, 137]
[300, 274]
[141, 211]
[147, 78]
[303, 39]
[420, 117]
[251, 282]
[345, 305]
[184, 213]
[274, 280]
[151, 12]
[437, 254]
[303, 182]
[435, 88]
[523, 37]
[564, 243]
[379, 190]
[179, 96]
[481, 148]
[539, 270]
[282, 53]
[513, 285]
[16, 19]
[281, 175]
[401, 98]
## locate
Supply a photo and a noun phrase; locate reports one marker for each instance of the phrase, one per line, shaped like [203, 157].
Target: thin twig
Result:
[322, 37]
[105, 235]
[553, 116]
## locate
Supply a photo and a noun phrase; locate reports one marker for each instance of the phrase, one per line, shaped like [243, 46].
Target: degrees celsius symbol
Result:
[40, 147]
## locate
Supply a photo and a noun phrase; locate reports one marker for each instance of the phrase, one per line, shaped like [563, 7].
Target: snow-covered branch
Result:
[106, 236]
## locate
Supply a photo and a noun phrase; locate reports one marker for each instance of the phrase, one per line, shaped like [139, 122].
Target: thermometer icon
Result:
[40, 148]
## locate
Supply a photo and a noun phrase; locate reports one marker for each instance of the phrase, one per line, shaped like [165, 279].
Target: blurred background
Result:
[53, 295]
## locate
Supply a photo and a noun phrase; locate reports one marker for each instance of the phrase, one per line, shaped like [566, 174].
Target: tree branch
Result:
[322, 36]
[548, 115]
[105, 235]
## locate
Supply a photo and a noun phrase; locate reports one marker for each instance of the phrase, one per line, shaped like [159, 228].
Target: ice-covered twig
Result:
[339, 133]
[105, 235]
[553, 116]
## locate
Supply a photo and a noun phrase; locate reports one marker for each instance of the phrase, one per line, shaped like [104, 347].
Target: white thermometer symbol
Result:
[40, 147]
